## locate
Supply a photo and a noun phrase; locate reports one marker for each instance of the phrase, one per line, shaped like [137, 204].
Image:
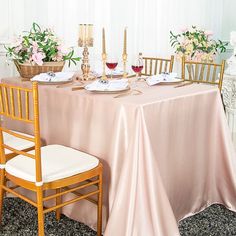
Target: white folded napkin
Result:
[113, 85]
[167, 78]
[59, 77]
[116, 71]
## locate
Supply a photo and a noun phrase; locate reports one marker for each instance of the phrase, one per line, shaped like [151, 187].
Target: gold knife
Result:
[77, 88]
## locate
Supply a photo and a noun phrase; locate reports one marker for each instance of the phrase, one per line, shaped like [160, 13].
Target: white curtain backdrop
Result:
[148, 21]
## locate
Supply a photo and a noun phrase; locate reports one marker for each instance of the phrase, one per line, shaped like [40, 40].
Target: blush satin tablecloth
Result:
[167, 153]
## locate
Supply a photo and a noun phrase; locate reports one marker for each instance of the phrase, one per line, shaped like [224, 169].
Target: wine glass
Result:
[111, 63]
[137, 65]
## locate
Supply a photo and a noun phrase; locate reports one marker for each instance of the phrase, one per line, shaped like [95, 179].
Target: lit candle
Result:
[125, 42]
[103, 41]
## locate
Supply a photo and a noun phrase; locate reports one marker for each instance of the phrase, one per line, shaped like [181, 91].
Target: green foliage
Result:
[196, 44]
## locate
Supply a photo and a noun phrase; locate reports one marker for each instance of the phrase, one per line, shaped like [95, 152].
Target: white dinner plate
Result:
[55, 82]
[107, 90]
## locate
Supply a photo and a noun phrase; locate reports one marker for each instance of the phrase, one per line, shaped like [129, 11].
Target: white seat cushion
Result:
[58, 162]
[17, 143]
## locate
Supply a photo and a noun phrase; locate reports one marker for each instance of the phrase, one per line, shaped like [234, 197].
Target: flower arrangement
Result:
[38, 46]
[196, 44]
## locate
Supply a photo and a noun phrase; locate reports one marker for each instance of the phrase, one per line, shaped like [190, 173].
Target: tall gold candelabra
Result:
[85, 41]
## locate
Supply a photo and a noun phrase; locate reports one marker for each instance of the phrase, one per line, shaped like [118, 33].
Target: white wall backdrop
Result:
[148, 21]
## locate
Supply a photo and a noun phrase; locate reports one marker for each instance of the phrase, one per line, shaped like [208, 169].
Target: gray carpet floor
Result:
[20, 219]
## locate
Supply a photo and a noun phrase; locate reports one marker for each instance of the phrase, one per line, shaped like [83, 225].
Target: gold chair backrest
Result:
[15, 104]
[201, 72]
[153, 65]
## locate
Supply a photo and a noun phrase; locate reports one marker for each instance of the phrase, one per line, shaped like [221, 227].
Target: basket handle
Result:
[17, 65]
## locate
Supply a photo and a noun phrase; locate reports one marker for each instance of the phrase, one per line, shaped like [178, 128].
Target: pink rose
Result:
[38, 58]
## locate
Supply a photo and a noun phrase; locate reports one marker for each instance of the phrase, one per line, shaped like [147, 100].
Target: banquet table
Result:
[167, 153]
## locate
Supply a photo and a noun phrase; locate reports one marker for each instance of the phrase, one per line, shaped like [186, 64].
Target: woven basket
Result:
[28, 71]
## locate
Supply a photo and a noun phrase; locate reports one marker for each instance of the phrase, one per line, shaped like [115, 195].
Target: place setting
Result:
[54, 78]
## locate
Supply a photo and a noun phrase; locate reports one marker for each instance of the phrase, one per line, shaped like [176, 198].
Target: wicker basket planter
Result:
[28, 71]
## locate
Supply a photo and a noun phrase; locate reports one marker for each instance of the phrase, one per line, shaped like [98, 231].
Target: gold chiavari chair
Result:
[201, 72]
[63, 169]
[153, 65]
[16, 142]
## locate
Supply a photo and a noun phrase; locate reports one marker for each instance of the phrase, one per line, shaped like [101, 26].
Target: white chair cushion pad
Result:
[17, 143]
[58, 162]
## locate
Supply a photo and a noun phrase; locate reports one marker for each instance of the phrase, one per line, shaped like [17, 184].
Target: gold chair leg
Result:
[2, 191]
[58, 201]
[99, 208]
[40, 211]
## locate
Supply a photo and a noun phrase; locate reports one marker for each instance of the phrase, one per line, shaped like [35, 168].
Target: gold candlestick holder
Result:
[124, 57]
[104, 77]
[85, 67]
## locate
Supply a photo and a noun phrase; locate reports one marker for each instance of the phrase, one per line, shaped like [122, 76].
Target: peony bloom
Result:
[38, 58]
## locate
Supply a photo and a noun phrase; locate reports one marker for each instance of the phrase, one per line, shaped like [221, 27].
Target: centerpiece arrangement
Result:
[196, 44]
[39, 51]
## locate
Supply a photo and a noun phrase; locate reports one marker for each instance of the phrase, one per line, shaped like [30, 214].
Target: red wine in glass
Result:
[137, 65]
[137, 69]
[111, 66]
